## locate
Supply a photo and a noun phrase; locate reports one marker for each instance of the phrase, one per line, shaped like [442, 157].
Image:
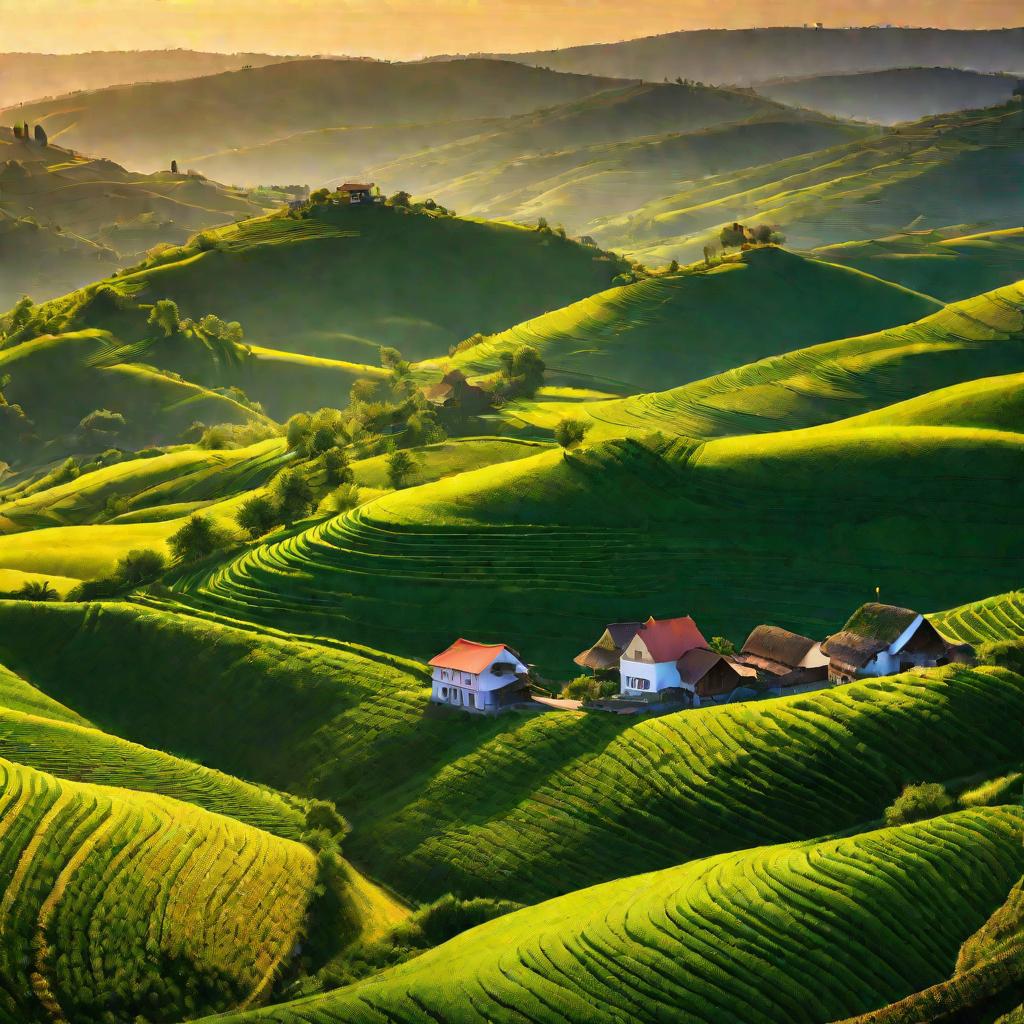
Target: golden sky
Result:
[414, 28]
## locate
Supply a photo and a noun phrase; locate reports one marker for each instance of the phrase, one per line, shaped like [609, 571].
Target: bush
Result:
[322, 815]
[198, 538]
[919, 802]
[336, 467]
[1003, 653]
[589, 688]
[102, 421]
[342, 499]
[401, 466]
[33, 590]
[293, 496]
[722, 645]
[139, 567]
[571, 432]
[257, 515]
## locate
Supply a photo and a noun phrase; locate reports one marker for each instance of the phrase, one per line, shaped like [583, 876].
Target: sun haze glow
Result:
[405, 29]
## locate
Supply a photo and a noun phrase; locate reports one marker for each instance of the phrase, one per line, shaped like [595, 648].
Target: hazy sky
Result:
[413, 28]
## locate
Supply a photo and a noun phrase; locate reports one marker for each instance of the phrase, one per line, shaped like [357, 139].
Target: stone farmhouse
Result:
[478, 677]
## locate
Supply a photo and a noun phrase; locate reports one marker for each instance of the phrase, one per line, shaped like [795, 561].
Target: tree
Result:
[344, 497]
[732, 235]
[33, 590]
[363, 390]
[296, 430]
[390, 357]
[174, 167]
[917, 803]
[336, 467]
[17, 131]
[401, 199]
[721, 645]
[257, 515]
[40, 134]
[102, 421]
[199, 537]
[293, 495]
[673, 267]
[524, 368]
[141, 566]
[570, 432]
[323, 439]
[401, 466]
[166, 316]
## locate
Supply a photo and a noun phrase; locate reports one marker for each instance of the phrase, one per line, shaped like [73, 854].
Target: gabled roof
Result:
[606, 652]
[776, 650]
[355, 186]
[696, 664]
[871, 629]
[670, 639]
[468, 656]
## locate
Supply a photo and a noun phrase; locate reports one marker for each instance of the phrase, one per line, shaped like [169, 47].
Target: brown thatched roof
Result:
[870, 630]
[606, 652]
[776, 650]
[694, 665]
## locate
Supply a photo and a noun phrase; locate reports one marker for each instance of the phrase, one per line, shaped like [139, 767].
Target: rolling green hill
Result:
[893, 95]
[605, 156]
[81, 218]
[579, 795]
[946, 264]
[992, 618]
[706, 941]
[691, 325]
[951, 169]
[110, 904]
[147, 125]
[347, 280]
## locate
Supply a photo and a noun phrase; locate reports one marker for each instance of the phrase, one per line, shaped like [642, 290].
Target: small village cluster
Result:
[669, 661]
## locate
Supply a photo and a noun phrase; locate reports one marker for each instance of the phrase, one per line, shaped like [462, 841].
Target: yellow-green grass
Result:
[992, 618]
[542, 552]
[746, 937]
[448, 458]
[182, 476]
[947, 264]
[978, 337]
[12, 580]
[925, 174]
[678, 328]
[374, 909]
[31, 734]
[521, 806]
[116, 901]
[350, 279]
[157, 405]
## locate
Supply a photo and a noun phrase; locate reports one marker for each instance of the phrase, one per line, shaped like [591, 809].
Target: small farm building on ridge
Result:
[784, 659]
[478, 677]
[881, 640]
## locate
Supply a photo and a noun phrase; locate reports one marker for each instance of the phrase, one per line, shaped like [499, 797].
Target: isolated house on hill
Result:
[453, 391]
[882, 639]
[478, 677]
[784, 659]
[359, 192]
[604, 656]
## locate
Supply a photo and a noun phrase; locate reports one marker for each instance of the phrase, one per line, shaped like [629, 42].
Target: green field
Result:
[992, 618]
[119, 901]
[705, 941]
[683, 327]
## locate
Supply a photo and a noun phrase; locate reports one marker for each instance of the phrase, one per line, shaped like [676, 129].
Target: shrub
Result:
[102, 421]
[589, 688]
[918, 802]
[336, 467]
[1003, 653]
[199, 537]
[138, 567]
[165, 315]
[570, 432]
[322, 815]
[293, 496]
[722, 645]
[342, 499]
[401, 466]
[257, 515]
[33, 590]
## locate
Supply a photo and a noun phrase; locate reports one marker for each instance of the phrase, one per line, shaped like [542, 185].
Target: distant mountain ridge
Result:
[746, 56]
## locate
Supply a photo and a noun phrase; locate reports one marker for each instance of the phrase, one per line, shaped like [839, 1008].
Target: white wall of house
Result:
[658, 675]
[474, 692]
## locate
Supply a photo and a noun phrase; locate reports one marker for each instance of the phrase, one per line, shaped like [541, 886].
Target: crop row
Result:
[994, 618]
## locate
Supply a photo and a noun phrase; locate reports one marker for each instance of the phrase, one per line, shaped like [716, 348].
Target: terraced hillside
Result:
[683, 327]
[580, 794]
[893, 95]
[950, 169]
[946, 264]
[992, 618]
[704, 942]
[147, 124]
[110, 904]
[102, 215]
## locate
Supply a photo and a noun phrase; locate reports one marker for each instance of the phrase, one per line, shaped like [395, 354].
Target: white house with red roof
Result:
[650, 660]
[478, 677]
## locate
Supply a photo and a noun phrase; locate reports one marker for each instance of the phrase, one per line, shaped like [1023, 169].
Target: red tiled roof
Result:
[670, 639]
[354, 186]
[467, 656]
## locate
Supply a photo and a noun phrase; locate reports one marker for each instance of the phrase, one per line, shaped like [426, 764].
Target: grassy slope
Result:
[110, 904]
[579, 795]
[899, 94]
[946, 264]
[342, 285]
[147, 124]
[685, 327]
[965, 341]
[706, 941]
[952, 169]
[992, 618]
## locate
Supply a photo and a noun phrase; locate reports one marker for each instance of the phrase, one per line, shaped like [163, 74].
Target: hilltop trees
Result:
[736, 234]
[522, 372]
[174, 167]
[165, 315]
